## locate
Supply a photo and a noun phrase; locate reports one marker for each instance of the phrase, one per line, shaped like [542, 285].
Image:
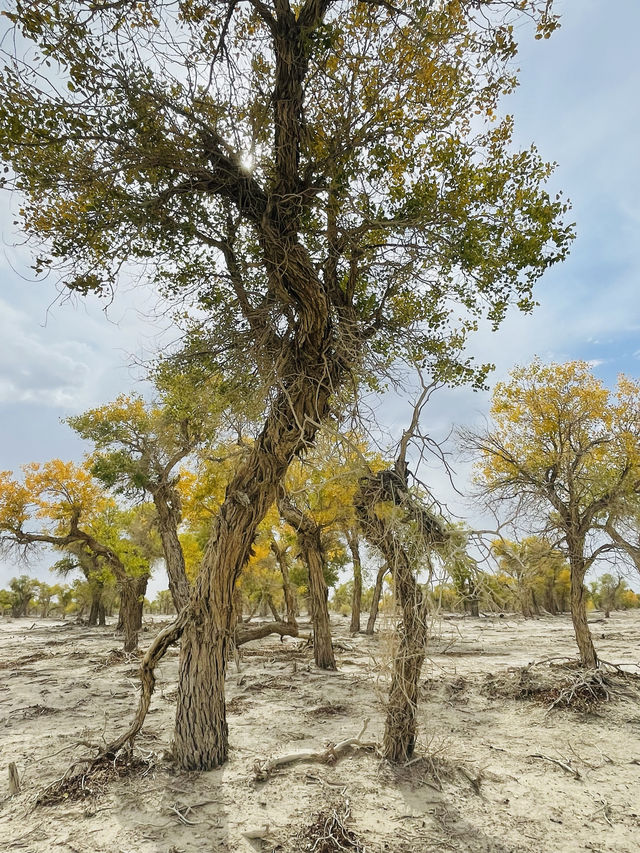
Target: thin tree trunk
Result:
[289, 597]
[309, 540]
[375, 601]
[102, 616]
[272, 608]
[167, 504]
[356, 598]
[588, 656]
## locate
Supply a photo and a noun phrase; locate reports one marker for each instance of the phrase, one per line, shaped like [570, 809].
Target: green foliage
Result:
[401, 183]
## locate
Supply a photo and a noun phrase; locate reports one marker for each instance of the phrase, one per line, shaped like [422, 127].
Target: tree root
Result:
[154, 654]
[333, 752]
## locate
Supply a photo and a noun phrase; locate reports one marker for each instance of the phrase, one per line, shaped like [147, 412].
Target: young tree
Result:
[327, 179]
[566, 452]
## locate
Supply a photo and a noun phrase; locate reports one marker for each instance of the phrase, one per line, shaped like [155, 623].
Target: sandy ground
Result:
[475, 785]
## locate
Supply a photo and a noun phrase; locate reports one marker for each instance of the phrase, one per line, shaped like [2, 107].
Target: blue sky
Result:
[578, 101]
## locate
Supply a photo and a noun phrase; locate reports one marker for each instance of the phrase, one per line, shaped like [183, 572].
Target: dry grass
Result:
[562, 685]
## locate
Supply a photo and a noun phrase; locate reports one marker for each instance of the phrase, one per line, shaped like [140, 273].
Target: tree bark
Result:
[96, 596]
[201, 733]
[375, 601]
[311, 551]
[588, 656]
[356, 598]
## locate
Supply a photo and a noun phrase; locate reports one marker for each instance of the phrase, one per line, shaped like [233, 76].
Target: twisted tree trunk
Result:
[390, 487]
[578, 602]
[201, 733]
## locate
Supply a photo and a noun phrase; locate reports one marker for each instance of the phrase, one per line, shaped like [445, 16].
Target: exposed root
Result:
[332, 753]
[330, 833]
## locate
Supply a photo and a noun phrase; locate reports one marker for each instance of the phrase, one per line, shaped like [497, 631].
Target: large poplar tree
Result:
[326, 180]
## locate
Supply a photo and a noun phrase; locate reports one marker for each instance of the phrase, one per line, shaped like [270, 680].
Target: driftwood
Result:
[14, 779]
[329, 755]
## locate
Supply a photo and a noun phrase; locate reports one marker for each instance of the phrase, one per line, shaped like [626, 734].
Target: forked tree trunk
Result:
[311, 551]
[289, 597]
[588, 656]
[356, 598]
[375, 601]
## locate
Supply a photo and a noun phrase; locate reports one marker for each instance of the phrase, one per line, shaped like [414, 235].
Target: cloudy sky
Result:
[578, 101]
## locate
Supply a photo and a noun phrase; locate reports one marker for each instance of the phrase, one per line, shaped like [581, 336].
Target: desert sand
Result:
[492, 773]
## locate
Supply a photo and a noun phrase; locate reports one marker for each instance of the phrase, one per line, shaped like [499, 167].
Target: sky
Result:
[577, 101]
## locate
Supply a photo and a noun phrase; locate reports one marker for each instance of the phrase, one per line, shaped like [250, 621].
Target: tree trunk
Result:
[356, 598]
[132, 592]
[289, 597]
[310, 543]
[272, 608]
[588, 656]
[102, 616]
[201, 734]
[167, 504]
[375, 601]
[390, 487]
[96, 596]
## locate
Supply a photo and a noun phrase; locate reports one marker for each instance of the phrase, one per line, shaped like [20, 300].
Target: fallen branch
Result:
[332, 753]
[564, 765]
[245, 634]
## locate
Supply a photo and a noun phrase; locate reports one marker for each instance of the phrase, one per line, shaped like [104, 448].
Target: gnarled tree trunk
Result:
[390, 487]
[201, 733]
[588, 656]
